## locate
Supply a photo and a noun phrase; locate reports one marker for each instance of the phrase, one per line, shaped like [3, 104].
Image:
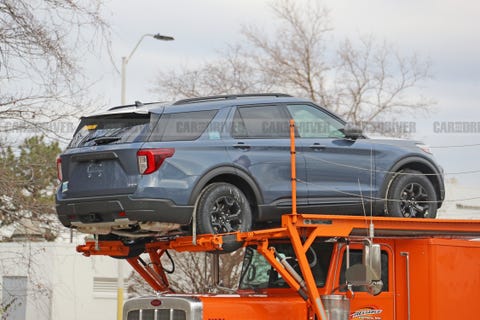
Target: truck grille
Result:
[163, 307]
[157, 314]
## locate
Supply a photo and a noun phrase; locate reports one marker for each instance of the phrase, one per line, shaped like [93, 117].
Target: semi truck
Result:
[325, 267]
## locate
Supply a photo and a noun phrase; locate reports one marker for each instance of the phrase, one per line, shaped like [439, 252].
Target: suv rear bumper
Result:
[117, 209]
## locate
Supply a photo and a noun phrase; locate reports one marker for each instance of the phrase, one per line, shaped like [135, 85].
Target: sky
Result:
[444, 32]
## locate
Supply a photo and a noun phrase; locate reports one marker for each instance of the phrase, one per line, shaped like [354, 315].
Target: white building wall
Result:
[20, 260]
[61, 281]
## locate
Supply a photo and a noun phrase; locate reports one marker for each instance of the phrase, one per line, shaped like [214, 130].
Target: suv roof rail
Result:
[230, 97]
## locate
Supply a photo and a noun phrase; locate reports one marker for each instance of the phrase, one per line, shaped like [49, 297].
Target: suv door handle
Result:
[317, 145]
[241, 145]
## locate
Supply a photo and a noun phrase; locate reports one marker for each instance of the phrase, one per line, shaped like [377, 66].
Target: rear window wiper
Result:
[105, 140]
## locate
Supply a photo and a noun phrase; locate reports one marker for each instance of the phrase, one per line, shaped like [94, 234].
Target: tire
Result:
[223, 208]
[411, 195]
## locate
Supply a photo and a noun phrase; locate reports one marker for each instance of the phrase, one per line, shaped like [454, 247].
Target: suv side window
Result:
[182, 126]
[260, 122]
[312, 122]
[356, 258]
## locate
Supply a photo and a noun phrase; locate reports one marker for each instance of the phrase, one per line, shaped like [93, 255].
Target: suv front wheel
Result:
[223, 208]
[411, 195]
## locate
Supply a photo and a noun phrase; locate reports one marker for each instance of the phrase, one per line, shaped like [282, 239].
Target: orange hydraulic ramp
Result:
[153, 273]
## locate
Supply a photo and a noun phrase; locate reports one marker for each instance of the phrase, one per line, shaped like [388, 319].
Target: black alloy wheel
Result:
[223, 208]
[411, 195]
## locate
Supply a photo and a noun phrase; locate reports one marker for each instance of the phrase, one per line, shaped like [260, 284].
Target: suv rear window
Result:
[182, 126]
[134, 127]
[111, 129]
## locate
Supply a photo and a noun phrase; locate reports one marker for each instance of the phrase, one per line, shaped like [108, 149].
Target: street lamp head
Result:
[158, 36]
[125, 60]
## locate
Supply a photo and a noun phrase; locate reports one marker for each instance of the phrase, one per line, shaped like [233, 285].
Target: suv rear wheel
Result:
[223, 208]
[411, 195]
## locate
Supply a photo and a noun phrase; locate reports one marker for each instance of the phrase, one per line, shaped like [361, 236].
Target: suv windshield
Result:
[257, 273]
[120, 128]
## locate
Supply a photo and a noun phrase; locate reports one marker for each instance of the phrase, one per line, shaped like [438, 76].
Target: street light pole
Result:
[126, 59]
[120, 281]
[124, 70]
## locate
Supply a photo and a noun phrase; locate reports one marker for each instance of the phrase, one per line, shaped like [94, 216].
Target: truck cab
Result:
[262, 292]
[421, 278]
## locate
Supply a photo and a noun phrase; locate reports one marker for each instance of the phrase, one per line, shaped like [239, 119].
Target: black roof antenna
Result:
[138, 104]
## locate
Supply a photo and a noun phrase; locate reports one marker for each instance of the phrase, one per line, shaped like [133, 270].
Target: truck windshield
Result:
[257, 273]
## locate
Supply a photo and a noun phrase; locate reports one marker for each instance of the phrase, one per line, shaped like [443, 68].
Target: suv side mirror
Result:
[352, 131]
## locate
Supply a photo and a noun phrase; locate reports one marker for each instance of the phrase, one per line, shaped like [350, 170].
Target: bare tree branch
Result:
[232, 72]
[193, 273]
[41, 42]
[294, 57]
[362, 80]
[376, 81]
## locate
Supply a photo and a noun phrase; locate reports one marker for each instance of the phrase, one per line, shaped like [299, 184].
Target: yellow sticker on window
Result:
[91, 126]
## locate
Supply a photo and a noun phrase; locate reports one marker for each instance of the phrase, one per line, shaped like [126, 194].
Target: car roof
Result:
[202, 103]
[219, 102]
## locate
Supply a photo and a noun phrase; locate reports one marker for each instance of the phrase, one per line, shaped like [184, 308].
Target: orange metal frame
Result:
[300, 229]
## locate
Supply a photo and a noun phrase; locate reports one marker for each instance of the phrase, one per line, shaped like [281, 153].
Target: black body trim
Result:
[108, 208]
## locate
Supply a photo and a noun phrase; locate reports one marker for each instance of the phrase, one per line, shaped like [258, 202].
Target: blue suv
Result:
[222, 164]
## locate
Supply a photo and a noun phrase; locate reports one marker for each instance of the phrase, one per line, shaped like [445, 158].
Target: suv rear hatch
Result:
[101, 159]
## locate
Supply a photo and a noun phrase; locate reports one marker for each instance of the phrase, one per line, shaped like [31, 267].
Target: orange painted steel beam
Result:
[293, 167]
[104, 248]
[149, 275]
[269, 255]
[300, 252]
[312, 226]
[345, 226]
[204, 242]
[155, 256]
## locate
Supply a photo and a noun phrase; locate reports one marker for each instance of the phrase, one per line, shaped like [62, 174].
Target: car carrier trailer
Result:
[322, 267]
[400, 269]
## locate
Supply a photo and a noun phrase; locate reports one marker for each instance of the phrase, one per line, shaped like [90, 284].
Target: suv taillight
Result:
[59, 169]
[149, 160]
